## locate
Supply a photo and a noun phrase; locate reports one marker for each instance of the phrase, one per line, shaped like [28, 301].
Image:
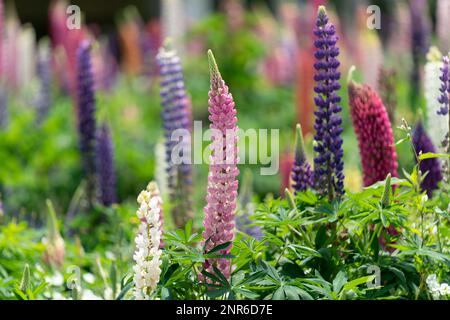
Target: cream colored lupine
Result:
[437, 126]
[147, 255]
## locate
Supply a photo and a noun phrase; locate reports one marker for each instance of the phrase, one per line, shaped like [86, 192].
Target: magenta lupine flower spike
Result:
[328, 162]
[222, 183]
[374, 133]
[301, 174]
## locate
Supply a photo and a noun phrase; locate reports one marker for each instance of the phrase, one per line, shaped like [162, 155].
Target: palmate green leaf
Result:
[339, 281]
[279, 294]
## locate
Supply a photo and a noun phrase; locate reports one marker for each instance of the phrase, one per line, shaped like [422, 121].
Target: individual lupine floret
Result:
[86, 118]
[429, 167]
[147, 255]
[374, 132]
[106, 169]
[302, 177]
[176, 115]
[328, 162]
[222, 183]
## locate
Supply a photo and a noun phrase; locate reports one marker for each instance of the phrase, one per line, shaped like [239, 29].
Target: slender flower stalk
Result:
[86, 118]
[328, 162]
[105, 167]
[374, 132]
[147, 255]
[302, 177]
[222, 183]
[176, 114]
[431, 167]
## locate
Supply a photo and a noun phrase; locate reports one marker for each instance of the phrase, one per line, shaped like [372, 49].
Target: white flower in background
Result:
[147, 254]
[89, 295]
[437, 125]
[437, 290]
[56, 279]
[89, 278]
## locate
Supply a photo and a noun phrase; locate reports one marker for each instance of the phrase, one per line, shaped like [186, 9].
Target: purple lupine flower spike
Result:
[44, 73]
[222, 183]
[328, 163]
[431, 167]
[302, 177]
[86, 117]
[176, 114]
[445, 87]
[106, 170]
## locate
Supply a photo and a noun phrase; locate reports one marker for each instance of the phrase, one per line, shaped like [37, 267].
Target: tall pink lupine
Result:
[222, 182]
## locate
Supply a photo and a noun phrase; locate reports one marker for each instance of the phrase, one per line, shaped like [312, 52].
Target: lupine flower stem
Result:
[222, 183]
[444, 99]
[328, 163]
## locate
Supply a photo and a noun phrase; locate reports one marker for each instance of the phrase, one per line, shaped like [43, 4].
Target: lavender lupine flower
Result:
[105, 167]
[86, 117]
[328, 163]
[222, 183]
[436, 125]
[176, 114]
[445, 109]
[302, 177]
[44, 73]
[431, 167]
[445, 87]
[243, 221]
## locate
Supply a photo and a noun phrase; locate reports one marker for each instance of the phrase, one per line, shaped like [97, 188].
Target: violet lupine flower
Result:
[86, 117]
[105, 167]
[44, 73]
[445, 87]
[328, 163]
[445, 110]
[431, 167]
[222, 183]
[176, 115]
[301, 175]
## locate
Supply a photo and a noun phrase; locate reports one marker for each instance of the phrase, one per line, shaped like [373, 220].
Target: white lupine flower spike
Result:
[147, 255]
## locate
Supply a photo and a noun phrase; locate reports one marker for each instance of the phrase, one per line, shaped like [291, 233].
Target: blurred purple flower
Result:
[431, 167]
[106, 170]
[86, 117]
